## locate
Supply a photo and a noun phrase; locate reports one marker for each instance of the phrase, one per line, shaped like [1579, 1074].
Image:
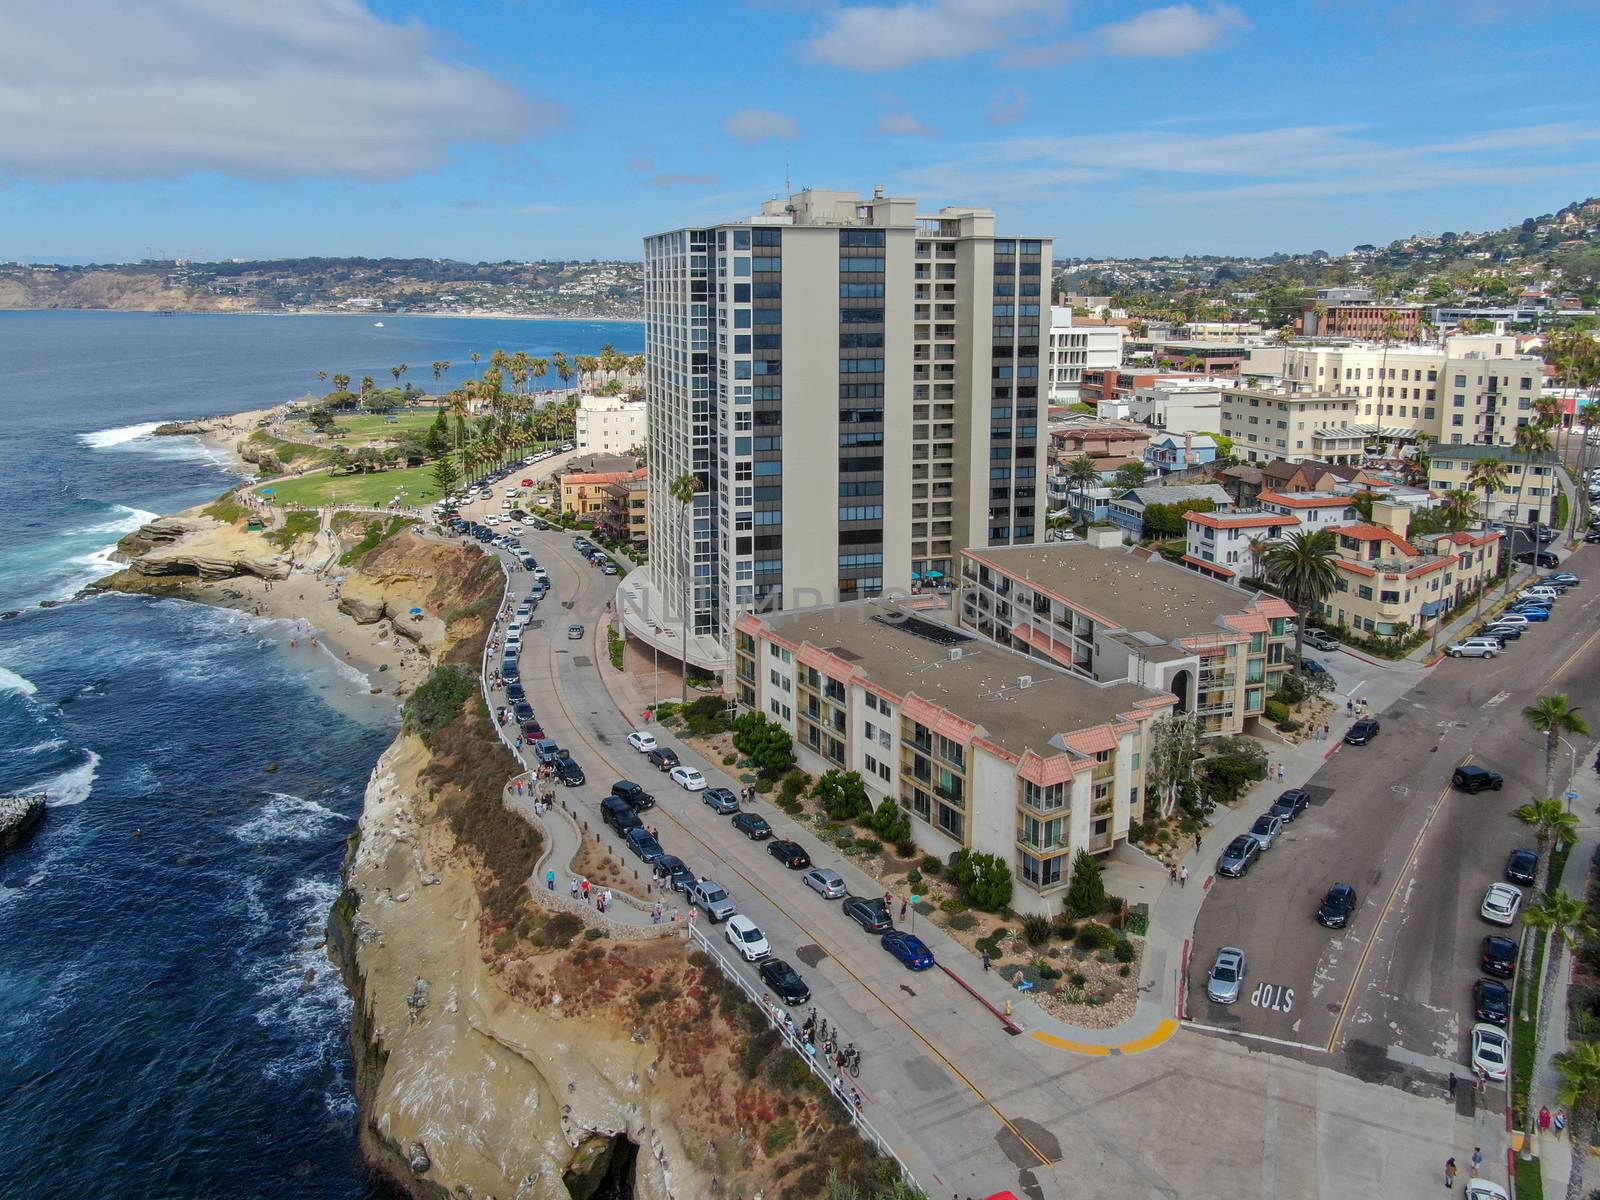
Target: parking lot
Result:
[1389, 997]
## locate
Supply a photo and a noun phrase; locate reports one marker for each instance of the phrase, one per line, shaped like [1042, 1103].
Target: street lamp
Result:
[1572, 774]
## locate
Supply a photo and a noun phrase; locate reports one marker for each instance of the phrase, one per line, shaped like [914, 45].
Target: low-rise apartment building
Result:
[1113, 614]
[1229, 545]
[1176, 406]
[1266, 425]
[1527, 494]
[584, 494]
[984, 748]
[611, 424]
[626, 510]
[1127, 508]
[1108, 444]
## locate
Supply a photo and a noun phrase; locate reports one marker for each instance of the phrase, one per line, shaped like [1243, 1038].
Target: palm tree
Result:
[539, 366]
[1579, 1068]
[1258, 546]
[341, 383]
[1490, 475]
[322, 377]
[475, 356]
[1457, 506]
[1302, 566]
[1563, 918]
[1082, 473]
[1552, 716]
[682, 491]
[1552, 825]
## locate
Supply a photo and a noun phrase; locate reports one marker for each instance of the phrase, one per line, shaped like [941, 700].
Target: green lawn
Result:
[1530, 1183]
[373, 490]
[365, 427]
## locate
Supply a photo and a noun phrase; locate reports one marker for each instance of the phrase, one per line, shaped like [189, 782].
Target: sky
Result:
[526, 129]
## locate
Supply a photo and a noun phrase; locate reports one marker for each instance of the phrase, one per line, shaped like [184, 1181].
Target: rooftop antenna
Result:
[788, 188]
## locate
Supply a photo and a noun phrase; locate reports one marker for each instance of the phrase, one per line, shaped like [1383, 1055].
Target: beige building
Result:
[611, 424]
[984, 748]
[584, 492]
[1112, 614]
[625, 511]
[856, 389]
[1529, 491]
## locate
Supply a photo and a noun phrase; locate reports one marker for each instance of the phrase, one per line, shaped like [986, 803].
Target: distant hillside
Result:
[1555, 254]
[575, 289]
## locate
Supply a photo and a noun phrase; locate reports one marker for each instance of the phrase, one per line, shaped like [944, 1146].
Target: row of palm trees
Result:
[520, 367]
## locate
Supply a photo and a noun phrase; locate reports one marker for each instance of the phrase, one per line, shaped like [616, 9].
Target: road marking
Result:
[1149, 1041]
[1275, 997]
[1255, 1037]
[1567, 662]
[1044, 1159]
[1497, 698]
[1372, 940]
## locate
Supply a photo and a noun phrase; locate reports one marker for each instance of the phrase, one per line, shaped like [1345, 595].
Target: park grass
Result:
[364, 428]
[288, 452]
[1530, 1182]
[227, 509]
[295, 526]
[372, 490]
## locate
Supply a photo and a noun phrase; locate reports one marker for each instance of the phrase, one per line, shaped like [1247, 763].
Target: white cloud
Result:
[886, 37]
[478, 208]
[671, 179]
[1008, 107]
[166, 88]
[904, 124]
[751, 125]
[1170, 32]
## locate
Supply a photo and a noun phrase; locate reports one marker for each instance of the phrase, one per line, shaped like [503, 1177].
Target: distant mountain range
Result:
[553, 289]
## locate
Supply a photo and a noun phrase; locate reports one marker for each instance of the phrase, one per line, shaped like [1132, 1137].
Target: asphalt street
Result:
[1389, 998]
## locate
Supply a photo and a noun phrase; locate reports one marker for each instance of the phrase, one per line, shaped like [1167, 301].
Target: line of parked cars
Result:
[594, 554]
[1533, 606]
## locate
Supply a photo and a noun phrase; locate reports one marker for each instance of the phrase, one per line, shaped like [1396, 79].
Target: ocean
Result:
[169, 1025]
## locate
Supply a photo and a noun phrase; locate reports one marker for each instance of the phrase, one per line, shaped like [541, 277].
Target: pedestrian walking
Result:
[606, 896]
[902, 908]
[574, 882]
[1450, 1173]
[550, 879]
[1477, 1160]
[1183, 877]
[1172, 872]
[985, 962]
[1197, 843]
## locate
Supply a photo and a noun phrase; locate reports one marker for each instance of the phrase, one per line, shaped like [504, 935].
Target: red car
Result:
[532, 731]
[527, 483]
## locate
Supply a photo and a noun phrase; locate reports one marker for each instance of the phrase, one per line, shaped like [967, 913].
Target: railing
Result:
[789, 1030]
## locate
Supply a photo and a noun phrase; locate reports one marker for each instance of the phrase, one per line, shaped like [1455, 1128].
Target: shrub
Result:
[1086, 895]
[991, 945]
[439, 700]
[889, 822]
[1094, 936]
[794, 785]
[1289, 725]
[1277, 710]
[614, 647]
[562, 928]
[984, 879]
[729, 759]
[1124, 951]
[905, 847]
[1066, 927]
[779, 1137]
[962, 921]
[706, 716]
[1079, 979]
[913, 877]
[768, 746]
[869, 845]
[790, 805]
[952, 904]
[932, 867]
[1137, 831]
[1124, 970]
[1036, 929]
[842, 795]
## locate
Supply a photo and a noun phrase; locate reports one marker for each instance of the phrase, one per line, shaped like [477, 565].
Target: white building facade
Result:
[611, 424]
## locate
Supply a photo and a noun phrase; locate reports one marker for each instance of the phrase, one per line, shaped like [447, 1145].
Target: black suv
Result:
[1473, 778]
[1499, 956]
[617, 813]
[568, 772]
[1541, 558]
[1337, 906]
[633, 795]
[662, 758]
[1491, 1002]
[1522, 866]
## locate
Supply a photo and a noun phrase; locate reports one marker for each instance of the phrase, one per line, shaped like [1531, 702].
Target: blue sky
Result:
[483, 130]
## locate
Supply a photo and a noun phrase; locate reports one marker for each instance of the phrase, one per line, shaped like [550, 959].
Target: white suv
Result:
[1474, 648]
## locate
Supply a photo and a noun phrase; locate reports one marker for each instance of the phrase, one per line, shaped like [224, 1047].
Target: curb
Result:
[1011, 1026]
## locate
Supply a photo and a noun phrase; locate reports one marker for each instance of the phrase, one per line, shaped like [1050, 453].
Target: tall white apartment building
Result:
[611, 424]
[1077, 348]
[855, 390]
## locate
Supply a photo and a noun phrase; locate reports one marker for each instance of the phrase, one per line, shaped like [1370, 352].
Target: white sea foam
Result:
[302, 993]
[285, 817]
[44, 747]
[128, 520]
[108, 439]
[72, 786]
[10, 681]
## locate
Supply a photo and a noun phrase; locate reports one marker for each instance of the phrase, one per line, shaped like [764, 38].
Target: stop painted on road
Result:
[1274, 997]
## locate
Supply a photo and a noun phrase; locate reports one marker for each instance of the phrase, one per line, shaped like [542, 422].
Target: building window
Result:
[952, 822]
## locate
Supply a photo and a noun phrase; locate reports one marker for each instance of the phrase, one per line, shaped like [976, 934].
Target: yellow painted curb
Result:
[1150, 1041]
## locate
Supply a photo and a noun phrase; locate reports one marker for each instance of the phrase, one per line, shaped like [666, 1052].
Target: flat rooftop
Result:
[1141, 595]
[903, 651]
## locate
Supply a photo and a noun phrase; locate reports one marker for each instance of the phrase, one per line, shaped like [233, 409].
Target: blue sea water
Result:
[169, 1025]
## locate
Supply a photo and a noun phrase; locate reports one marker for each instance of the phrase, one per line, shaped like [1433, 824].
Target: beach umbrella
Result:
[916, 575]
[268, 491]
[416, 612]
[935, 574]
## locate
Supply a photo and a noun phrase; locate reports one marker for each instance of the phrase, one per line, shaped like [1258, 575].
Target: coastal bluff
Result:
[161, 555]
[19, 817]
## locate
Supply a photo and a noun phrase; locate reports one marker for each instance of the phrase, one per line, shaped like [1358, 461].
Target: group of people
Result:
[658, 913]
[583, 890]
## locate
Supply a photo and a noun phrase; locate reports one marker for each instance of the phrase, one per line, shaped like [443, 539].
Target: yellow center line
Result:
[1568, 661]
[1372, 940]
[1044, 1159]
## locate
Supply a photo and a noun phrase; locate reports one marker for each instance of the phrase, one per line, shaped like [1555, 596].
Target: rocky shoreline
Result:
[19, 817]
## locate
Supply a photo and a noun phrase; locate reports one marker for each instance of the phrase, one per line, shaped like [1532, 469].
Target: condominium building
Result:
[984, 748]
[1183, 405]
[1114, 614]
[1362, 318]
[1075, 349]
[611, 424]
[855, 391]
[1528, 489]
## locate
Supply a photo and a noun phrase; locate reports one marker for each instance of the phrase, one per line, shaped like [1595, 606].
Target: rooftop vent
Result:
[1024, 681]
[955, 653]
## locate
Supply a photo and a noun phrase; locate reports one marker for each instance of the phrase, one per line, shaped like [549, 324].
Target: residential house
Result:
[1126, 509]
[625, 512]
[1170, 452]
[584, 493]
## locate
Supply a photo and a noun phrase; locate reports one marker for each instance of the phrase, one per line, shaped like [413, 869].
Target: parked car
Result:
[568, 773]
[912, 952]
[711, 896]
[745, 937]
[679, 877]
[1474, 647]
[545, 751]
[790, 854]
[721, 800]
[522, 710]
[1563, 579]
[1318, 640]
[785, 981]
[1239, 856]
[1501, 904]
[1512, 618]
[633, 795]
[752, 826]
[1529, 612]
[642, 740]
[1312, 667]
[1362, 732]
[1501, 632]
[869, 912]
[1542, 558]
[1498, 956]
[1522, 866]
[531, 731]
[1291, 804]
[643, 843]
[1227, 976]
[1266, 829]
[1491, 1051]
[828, 884]
[617, 813]
[662, 758]
[1338, 906]
[1472, 778]
[688, 778]
[1491, 1002]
